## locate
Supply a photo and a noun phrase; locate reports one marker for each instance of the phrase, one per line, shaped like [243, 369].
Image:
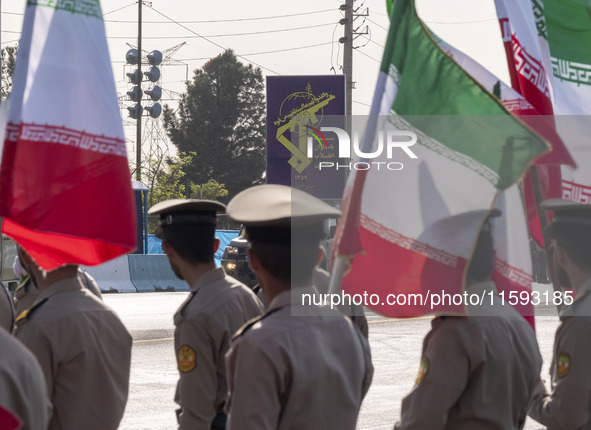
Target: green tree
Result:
[167, 180]
[222, 118]
[212, 190]
[8, 55]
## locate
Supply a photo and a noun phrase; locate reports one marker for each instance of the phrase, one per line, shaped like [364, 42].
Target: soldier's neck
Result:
[192, 272]
[44, 280]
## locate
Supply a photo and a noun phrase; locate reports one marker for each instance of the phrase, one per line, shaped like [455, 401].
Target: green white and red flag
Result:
[65, 189]
[528, 63]
[413, 231]
[566, 25]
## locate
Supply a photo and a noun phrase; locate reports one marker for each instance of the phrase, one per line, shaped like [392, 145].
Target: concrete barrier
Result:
[151, 273]
[113, 276]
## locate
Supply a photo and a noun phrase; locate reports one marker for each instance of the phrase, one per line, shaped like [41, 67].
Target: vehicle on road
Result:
[235, 257]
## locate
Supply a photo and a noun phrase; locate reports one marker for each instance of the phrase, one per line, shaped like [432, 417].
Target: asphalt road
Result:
[396, 346]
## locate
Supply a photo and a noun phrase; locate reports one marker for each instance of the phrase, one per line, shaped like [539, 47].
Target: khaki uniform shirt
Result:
[6, 309]
[216, 308]
[26, 293]
[84, 351]
[569, 404]
[22, 386]
[297, 372]
[321, 280]
[476, 372]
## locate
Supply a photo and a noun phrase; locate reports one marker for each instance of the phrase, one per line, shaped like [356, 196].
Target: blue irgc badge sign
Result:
[308, 146]
[295, 106]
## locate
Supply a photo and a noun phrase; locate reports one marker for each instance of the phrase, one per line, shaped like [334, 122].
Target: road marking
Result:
[166, 339]
[392, 319]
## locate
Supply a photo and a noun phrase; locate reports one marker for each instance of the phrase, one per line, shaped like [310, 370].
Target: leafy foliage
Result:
[221, 118]
[167, 180]
[8, 60]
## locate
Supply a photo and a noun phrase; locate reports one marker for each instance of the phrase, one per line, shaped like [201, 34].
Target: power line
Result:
[121, 8]
[229, 20]
[253, 53]
[225, 35]
[379, 25]
[290, 49]
[206, 21]
[376, 43]
[368, 56]
[210, 41]
[360, 103]
[248, 54]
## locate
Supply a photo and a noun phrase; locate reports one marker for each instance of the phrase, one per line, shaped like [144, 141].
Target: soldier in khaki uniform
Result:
[83, 349]
[22, 385]
[477, 371]
[299, 366]
[568, 405]
[216, 308]
[26, 293]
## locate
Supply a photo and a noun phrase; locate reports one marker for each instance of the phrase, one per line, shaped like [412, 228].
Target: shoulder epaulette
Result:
[247, 325]
[186, 302]
[26, 314]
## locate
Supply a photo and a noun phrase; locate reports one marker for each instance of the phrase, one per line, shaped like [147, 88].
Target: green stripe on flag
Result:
[568, 21]
[438, 97]
[82, 7]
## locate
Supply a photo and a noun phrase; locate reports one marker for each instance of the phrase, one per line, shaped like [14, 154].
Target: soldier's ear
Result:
[168, 250]
[253, 260]
[561, 255]
[216, 245]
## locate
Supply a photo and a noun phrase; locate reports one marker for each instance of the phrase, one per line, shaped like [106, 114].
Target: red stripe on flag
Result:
[576, 192]
[393, 269]
[67, 196]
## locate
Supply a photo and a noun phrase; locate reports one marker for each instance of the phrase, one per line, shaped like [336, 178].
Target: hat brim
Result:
[190, 205]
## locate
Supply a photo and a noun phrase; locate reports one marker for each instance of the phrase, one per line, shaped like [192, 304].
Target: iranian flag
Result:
[413, 231]
[566, 24]
[65, 189]
[528, 62]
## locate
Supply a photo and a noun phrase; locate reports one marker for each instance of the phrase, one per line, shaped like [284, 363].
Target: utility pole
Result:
[138, 143]
[347, 41]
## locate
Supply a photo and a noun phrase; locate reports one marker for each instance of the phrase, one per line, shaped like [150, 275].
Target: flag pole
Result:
[336, 276]
[538, 198]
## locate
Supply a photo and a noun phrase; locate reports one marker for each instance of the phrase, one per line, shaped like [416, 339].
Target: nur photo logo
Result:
[390, 141]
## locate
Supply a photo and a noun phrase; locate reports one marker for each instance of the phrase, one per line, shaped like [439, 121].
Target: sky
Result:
[283, 38]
